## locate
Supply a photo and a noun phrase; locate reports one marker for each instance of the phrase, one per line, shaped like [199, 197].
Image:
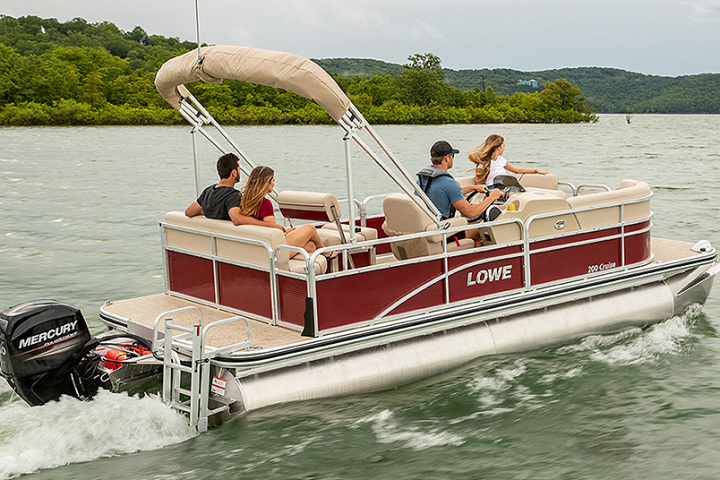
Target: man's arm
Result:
[473, 210]
[474, 188]
[240, 219]
[194, 209]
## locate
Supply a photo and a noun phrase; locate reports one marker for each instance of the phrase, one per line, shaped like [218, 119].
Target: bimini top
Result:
[276, 69]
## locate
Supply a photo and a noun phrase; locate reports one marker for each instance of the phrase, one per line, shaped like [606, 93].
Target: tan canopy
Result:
[276, 69]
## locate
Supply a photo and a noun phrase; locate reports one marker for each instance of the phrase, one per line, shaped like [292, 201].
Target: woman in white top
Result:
[489, 162]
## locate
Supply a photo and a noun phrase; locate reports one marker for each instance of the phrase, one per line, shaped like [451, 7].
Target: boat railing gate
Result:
[198, 396]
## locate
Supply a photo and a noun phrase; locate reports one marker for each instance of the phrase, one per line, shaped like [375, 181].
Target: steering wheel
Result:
[507, 184]
[472, 194]
[469, 197]
[507, 191]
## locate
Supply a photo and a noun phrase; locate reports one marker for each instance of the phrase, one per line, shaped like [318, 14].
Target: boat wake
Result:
[416, 437]
[635, 346]
[528, 383]
[72, 431]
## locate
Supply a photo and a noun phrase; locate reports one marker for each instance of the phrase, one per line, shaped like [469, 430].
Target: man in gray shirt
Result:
[222, 201]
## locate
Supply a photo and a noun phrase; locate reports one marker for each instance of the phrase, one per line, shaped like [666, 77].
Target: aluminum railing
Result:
[199, 368]
[345, 250]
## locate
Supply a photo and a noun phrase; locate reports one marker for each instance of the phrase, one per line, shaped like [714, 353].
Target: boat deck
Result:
[144, 310]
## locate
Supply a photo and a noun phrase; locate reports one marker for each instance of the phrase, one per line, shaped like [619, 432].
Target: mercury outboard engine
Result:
[41, 343]
[46, 351]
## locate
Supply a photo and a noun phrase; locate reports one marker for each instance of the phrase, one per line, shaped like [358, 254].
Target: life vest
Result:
[426, 176]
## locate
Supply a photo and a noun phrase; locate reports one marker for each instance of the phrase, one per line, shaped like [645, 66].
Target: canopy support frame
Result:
[353, 120]
[199, 116]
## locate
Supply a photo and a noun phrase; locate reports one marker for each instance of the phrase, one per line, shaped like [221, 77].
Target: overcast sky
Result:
[658, 37]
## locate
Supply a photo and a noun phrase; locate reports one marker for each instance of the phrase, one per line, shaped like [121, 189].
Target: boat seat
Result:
[403, 217]
[597, 217]
[548, 181]
[537, 201]
[234, 250]
[321, 207]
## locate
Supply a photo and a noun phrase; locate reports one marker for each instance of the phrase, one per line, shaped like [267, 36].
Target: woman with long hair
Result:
[254, 204]
[489, 162]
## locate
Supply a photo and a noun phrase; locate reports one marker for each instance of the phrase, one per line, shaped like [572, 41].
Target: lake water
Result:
[79, 213]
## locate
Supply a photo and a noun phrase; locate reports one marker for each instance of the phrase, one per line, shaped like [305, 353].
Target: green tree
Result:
[563, 95]
[421, 81]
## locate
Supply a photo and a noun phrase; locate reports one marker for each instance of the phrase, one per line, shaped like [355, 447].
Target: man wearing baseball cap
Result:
[444, 191]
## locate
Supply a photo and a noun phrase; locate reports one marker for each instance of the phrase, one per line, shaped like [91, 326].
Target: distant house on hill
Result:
[532, 83]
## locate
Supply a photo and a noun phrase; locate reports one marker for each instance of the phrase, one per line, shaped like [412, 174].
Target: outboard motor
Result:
[41, 343]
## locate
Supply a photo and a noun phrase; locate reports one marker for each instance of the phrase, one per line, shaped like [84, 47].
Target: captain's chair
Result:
[403, 216]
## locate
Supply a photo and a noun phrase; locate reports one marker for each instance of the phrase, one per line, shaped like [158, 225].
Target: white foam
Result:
[636, 346]
[416, 437]
[661, 339]
[502, 379]
[71, 431]
[551, 377]
[596, 342]
[4, 386]
[488, 387]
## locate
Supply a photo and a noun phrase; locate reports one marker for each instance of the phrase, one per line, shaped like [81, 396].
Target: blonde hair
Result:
[255, 190]
[482, 156]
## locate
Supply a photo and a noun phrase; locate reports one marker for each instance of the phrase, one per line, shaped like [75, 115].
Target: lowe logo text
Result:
[489, 275]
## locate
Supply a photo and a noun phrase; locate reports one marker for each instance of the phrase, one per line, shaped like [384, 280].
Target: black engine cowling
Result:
[41, 342]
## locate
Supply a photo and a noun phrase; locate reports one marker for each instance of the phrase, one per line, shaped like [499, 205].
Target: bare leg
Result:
[305, 236]
[310, 246]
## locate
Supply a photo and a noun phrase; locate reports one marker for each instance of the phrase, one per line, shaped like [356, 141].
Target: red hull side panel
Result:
[637, 248]
[245, 289]
[458, 261]
[361, 297]
[574, 261]
[191, 275]
[580, 237]
[637, 226]
[292, 300]
[486, 279]
[587, 259]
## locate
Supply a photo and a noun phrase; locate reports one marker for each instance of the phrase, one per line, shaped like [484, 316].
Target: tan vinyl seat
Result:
[321, 207]
[629, 190]
[539, 201]
[403, 216]
[234, 250]
[548, 181]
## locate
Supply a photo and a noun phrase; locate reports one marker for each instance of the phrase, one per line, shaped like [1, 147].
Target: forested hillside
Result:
[607, 90]
[80, 73]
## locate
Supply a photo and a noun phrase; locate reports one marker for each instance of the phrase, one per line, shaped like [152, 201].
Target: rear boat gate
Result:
[197, 397]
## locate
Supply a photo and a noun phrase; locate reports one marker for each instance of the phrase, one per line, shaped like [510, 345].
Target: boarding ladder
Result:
[191, 343]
